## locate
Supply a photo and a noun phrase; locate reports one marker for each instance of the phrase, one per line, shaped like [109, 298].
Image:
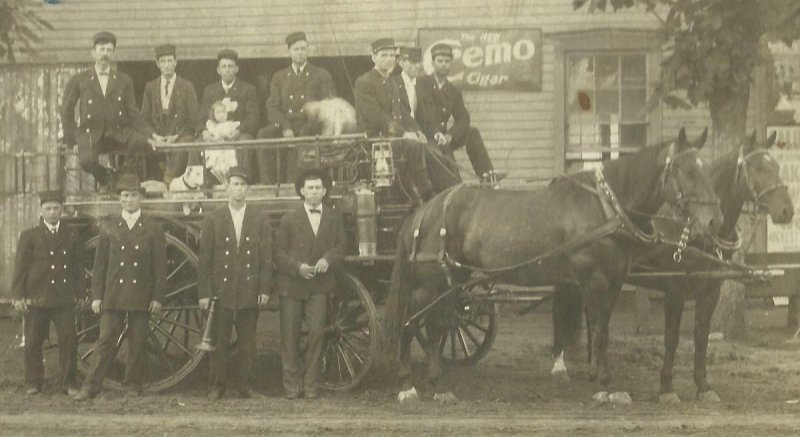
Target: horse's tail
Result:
[397, 301]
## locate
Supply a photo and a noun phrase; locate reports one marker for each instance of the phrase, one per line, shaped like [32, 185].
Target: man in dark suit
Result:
[438, 102]
[241, 96]
[309, 245]
[169, 107]
[236, 267]
[128, 283]
[289, 90]
[109, 118]
[48, 282]
[409, 59]
[380, 112]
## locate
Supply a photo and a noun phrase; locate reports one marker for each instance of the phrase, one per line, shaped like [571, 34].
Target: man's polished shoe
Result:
[72, 391]
[292, 396]
[215, 394]
[311, 394]
[32, 390]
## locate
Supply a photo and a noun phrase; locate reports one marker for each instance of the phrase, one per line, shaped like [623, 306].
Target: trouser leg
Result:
[413, 173]
[246, 158]
[246, 323]
[87, 158]
[138, 333]
[177, 161]
[476, 151]
[37, 325]
[270, 161]
[64, 319]
[291, 317]
[111, 326]
[442, 169]
[316, 312]
[221, 333]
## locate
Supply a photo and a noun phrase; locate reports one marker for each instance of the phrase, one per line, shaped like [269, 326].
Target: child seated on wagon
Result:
[218, 128]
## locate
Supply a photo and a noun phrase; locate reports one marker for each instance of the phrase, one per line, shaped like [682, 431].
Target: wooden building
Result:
[532, 133]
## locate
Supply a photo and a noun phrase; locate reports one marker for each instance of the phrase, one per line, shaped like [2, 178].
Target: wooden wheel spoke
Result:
[87, 354]
[180, 266]
[161, 353]
[473, 339]
[464, 347]
[353, 350]
[476, 326]
[442, 343]
[364, 342]
[346, 360]
[174, 340]
[453, 343]
[122, 336]
[175, 322]
[85, 331]
[180, 290]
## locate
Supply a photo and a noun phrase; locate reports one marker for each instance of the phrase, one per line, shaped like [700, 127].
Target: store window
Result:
[606, 112]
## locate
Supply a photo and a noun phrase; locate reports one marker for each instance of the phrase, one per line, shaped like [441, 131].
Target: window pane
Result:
[607, 108]
[580, 73]
[607, 73]
[633, 135]
[634, 105]
[634, 71]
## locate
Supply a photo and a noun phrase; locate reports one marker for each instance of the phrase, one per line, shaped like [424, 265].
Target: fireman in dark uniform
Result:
[235, 266]
[109, 118]
[48, 283]
[438, 101]
[380, 112]
[289, 90]
[128, 283]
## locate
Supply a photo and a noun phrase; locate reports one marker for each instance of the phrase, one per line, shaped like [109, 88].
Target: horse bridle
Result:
[681, 201]
[741, 170]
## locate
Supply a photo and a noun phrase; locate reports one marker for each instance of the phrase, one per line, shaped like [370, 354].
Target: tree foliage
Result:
[711, 46]
[20, 27]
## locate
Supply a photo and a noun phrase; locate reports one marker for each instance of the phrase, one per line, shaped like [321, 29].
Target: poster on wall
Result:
[489, 59]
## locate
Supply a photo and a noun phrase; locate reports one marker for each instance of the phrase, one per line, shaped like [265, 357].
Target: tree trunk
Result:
[728, 126]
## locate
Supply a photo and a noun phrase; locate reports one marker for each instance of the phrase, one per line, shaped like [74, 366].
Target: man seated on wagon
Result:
[169, 106]
[380, 112]
[290, 89]
[109, 119]
[241, 100]
[438, 101]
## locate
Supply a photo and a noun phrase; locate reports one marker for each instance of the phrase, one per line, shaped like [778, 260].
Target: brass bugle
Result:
[207, 343]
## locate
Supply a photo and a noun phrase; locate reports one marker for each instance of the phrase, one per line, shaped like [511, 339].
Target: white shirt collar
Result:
[309, 207]
[228, 87]
[300, 69]
[131, 217]
[52, 228]
[97, 70]
[408, 79]
[237, 212]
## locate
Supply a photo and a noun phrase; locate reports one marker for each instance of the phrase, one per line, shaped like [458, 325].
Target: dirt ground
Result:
[509, 392]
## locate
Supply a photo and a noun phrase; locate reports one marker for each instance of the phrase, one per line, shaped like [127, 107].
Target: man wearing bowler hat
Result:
[47, 285]
[380, 112]
[309, 246]
[236, 267]
[109, 118]
[438, 102]
[241, 100]
[128, 283]
[169, 106]
[289, 90]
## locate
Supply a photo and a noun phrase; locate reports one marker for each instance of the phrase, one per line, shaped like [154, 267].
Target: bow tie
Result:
[315, 211]
[103, 73]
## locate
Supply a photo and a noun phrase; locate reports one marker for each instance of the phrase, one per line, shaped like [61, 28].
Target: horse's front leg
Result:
[407, 391]
[602, 298]
[706, 302]
[566, 318]
[673, 312]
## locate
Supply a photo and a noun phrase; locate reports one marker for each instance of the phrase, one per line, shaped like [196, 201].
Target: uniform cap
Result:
[441, 49]
[295, 37]
[50, 196]
[104, 37]
[165, 50]
[129, 182]
[413, 54]
[228, 54]
[240, 172]
[383, 43]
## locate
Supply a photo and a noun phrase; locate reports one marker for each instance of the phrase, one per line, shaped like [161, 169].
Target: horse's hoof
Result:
[710, 397]
[601, 396]
[669, 398]
[408, 396]
[445, 398]
[620, 397]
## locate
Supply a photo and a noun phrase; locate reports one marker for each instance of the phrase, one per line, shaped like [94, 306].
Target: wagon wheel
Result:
[171, 352]
[351, 335]
[471, 328]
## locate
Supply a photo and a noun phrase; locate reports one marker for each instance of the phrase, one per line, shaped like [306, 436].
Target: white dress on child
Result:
[220, 161]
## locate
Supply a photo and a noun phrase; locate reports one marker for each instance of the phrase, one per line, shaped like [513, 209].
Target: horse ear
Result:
[771, 140]
[701, 140]
[682, 137]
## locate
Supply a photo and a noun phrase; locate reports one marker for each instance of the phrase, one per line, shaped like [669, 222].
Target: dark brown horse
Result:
[554, 235]
[751, 175]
